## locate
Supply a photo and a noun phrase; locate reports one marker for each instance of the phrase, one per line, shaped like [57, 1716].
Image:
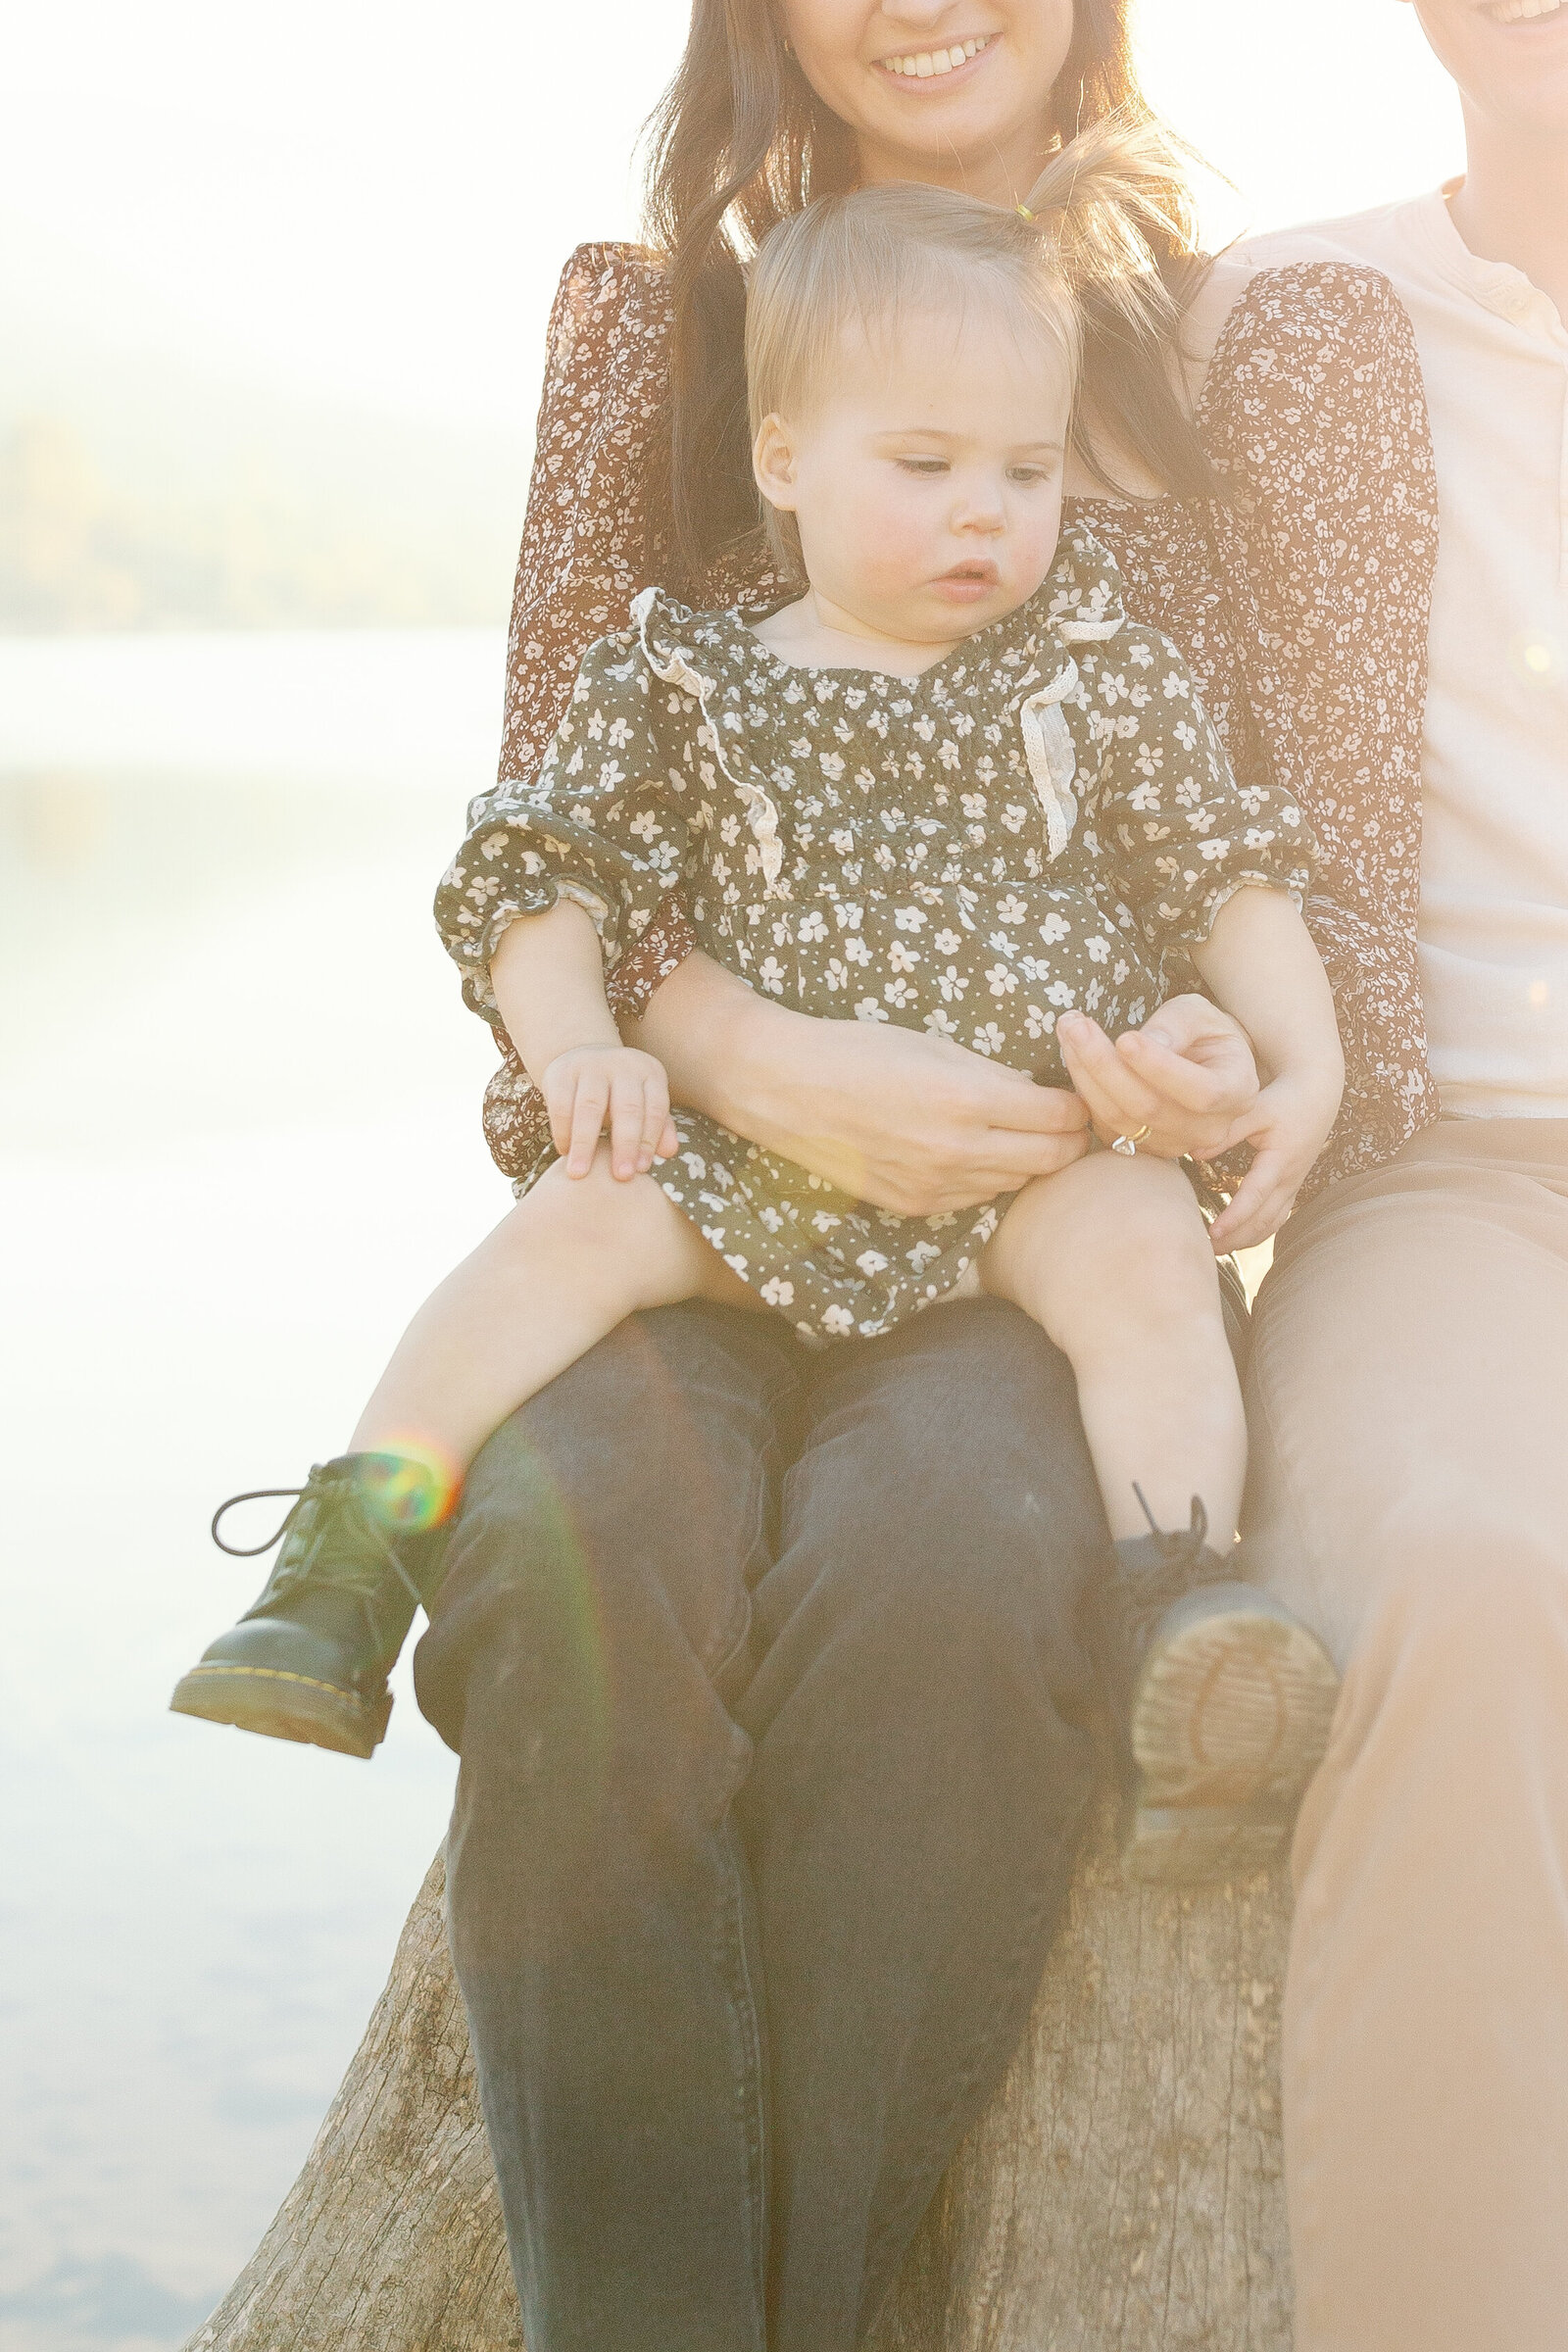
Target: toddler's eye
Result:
[925, 465]
[1030, 473]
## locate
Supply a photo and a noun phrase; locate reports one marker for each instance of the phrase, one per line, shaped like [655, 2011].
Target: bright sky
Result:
[372, 205]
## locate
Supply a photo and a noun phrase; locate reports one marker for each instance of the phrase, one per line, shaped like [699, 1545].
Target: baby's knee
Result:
[1128, 1234]
[635, 1248]
[601, 1224]
[595, 1206]
[1159, 1241]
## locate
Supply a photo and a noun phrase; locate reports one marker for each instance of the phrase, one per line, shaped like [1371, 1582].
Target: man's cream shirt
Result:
[1493, 926]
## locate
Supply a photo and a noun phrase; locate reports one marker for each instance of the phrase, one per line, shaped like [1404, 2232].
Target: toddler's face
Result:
[926, 482]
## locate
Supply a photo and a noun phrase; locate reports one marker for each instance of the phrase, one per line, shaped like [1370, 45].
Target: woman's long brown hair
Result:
[740, 139]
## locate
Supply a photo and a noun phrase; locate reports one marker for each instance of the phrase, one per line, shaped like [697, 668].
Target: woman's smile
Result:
[959, 91]
[1526, 12]
[920, 68]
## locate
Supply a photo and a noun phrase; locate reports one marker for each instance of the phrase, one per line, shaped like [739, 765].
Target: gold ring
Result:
[1127, 1144]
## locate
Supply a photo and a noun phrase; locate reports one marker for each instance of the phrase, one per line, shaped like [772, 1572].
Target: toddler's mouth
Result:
[966, 582]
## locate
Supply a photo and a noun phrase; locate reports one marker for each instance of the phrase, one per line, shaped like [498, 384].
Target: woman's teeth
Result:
[1515, 12]
[929, 61]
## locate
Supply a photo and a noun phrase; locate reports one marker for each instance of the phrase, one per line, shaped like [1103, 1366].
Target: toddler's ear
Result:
[773, 463]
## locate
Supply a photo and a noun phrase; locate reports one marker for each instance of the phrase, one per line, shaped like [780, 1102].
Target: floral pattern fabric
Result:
[1040, 821]
[1299, 601]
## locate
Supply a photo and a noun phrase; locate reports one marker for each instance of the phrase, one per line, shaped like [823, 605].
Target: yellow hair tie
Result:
[1023, 212]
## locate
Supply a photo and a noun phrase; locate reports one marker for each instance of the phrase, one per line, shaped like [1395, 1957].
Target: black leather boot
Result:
[310, 1659]
[1221, 1703]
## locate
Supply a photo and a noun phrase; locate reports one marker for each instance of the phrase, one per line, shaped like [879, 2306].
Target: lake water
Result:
[238, 1140]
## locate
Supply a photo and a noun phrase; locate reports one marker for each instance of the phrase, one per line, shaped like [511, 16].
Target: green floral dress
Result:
[1041, 821]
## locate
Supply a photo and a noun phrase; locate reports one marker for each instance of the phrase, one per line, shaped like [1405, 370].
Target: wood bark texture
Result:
[1122, 2192]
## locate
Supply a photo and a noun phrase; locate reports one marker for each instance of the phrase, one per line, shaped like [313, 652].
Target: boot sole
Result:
[1231, 1718]
[284, 1707]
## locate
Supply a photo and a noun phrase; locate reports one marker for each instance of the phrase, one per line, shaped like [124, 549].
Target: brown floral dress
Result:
[1299, 601]
[1044, 820]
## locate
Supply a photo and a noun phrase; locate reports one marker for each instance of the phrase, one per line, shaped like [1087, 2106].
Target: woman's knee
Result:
[626, 1504]
[964, 1571]
[952, 1452]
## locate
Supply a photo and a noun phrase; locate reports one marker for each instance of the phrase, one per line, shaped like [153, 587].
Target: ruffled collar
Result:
[1079, 602]
[1026, 654]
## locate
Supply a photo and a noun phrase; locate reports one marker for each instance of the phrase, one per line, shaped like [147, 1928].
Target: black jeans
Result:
[764, 1671]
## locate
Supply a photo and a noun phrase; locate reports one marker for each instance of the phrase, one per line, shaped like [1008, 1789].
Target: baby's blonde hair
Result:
[869, 258]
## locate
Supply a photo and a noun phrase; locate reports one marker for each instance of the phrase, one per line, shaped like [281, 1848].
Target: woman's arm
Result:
[912, 1122]
[909, 1121]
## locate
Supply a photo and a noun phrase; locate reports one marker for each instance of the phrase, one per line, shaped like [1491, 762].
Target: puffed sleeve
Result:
[1162, 809]
[602, 822]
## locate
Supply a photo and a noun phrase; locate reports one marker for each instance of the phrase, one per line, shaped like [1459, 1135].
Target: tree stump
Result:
[1123, 2191]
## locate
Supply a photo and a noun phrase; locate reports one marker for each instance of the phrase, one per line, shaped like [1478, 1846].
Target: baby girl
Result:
[948, 783]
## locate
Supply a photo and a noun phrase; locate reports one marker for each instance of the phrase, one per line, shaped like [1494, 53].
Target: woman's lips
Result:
[920, 72]
[1526, 12]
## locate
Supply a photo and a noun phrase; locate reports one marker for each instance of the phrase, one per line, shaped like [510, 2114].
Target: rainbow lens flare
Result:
[409, 1485]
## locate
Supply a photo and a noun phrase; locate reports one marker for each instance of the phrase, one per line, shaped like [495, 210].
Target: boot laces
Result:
[298, 1571]
[1192, 1535]
[1133, 1601]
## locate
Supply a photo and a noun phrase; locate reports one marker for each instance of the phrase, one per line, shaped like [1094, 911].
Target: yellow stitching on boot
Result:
[277, 1674]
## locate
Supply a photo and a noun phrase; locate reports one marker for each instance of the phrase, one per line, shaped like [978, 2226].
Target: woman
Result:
[771, 1789]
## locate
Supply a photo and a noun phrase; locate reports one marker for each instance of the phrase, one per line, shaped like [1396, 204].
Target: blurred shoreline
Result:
[238, 1138]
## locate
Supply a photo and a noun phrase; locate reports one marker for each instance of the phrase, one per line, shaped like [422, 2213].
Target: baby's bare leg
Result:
[1111, 1258]
[576, 1257]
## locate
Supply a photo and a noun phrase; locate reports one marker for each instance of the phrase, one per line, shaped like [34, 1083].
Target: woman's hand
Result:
[1188, 1076]
[909, 1121]
[917, 1124]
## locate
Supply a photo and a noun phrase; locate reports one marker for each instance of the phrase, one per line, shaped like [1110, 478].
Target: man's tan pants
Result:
[1409, 1499]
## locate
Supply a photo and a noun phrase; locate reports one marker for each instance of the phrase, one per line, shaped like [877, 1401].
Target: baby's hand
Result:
[1286, 1126]
[591, 1087]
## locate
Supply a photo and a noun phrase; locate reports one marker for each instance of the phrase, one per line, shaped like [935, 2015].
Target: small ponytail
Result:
[1111, 204]
[1104, 204]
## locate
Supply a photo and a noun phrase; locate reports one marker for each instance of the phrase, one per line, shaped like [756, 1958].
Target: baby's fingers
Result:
[558, 1100]
[1258, 1206]
[589, 1105]
[628, 1117]
[659, 1138]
